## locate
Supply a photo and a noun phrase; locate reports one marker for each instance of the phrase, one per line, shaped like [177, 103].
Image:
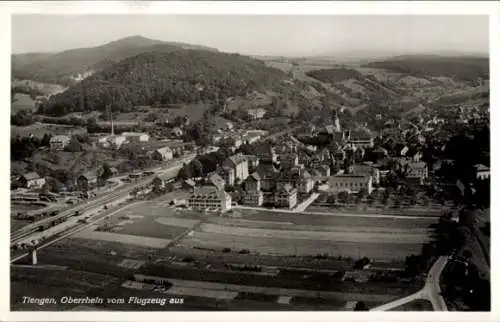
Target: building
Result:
[31, 180]
[216, 180]
[288, 161]
[163, 154]
[285, 197]
[268, 175]
[253, 193]
[87, 181]
[359, 138]
[59, 142]
[351, 183]
[253, 162]
[251, 138]
[417, 171]
[256, 113]
[366, 169]
[227, 173]
[229, 126]
[210, 198]
[135, 137]
[232, 141]
[266, 153]
[239, 164]
[482, 172]
[324, 170]
[112, 141]
[177, 132]
[305, 182]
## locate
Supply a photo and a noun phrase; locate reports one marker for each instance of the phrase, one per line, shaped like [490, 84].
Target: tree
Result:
[343, 196]
[106, 172]
[23, 117]
[74, 146]
[360, 306]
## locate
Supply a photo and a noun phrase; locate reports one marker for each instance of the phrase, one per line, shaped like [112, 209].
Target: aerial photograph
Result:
[249, 163]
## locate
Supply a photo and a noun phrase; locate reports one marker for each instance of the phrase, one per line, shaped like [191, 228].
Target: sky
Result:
[261, 34]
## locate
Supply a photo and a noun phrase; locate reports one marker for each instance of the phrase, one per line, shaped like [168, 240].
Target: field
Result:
[150, 224]
[285, 234]
[40, 129]
[21, 101]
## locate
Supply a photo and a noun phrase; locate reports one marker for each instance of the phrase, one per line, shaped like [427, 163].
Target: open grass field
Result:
[289, 234]
[21, 101]
[40, 129]
[124, 239]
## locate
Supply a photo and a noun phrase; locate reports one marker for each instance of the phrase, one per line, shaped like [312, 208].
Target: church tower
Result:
[336, 122]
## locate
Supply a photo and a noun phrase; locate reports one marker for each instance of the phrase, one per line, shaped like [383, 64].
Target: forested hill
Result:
[59, 68]
[458, 68]
[184, 76]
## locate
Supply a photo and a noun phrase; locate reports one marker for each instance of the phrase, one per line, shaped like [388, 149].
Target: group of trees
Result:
[32, 92]
[202, 165]
[23, 117]
[165, 78]
[24, 147]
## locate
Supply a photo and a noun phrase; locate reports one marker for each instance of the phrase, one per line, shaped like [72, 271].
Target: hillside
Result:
[62, 67]
[467, 69]
[182, 76]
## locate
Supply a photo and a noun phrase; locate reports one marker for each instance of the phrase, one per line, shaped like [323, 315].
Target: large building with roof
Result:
[59, 142]
[253, 194]
[31, 180]
[209, 198]
[285, 196]
[350, 183]
[239, 164]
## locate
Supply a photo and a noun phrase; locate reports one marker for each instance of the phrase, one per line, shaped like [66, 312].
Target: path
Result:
[306, 203]
[431, 290]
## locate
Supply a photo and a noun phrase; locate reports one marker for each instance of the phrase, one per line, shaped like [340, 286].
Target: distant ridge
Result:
[61, 67]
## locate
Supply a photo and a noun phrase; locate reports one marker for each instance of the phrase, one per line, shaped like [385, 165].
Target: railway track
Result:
[121, 192]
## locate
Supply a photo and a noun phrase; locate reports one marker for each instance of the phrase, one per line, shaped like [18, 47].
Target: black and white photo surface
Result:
[250, 163]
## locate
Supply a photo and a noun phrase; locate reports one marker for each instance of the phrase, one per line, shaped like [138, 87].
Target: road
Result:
[431, 290]
[301, 207]
[120, 192]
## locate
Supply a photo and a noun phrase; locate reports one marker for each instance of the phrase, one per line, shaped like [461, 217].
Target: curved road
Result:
[431, 290]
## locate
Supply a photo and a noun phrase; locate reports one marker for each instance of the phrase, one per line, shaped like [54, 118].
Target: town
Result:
[232, 182]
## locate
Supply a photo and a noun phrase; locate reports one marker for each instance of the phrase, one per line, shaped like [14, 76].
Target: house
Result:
[216, 180]
[229, 126]
[351, 183]
[266, 153]
[87, 181]
[253, 194]
[227, 173]
[482, 172]
[253, 162]
[177, 132]
[112, 141]
[305, 182]
[416, 171]
[359, 138]
[232, 141]
[188, 184]
[136, 137]
[256, 113]
[288, 161]
[239, 164]
[163, 154]
[31, 180]
[366, 168]
[59, 142]
[207, 198]
[285, 197]
[324, 170]
[250, 138]
[268, 175]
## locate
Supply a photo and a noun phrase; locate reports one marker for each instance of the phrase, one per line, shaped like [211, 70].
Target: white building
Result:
[482, 172]
[112, 141]
[32, 180]
[210, 198]
[59, 142]
[163, 154]
[136, 137]
[351, 183]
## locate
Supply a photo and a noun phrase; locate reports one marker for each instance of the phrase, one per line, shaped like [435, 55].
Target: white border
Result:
[269, 8]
